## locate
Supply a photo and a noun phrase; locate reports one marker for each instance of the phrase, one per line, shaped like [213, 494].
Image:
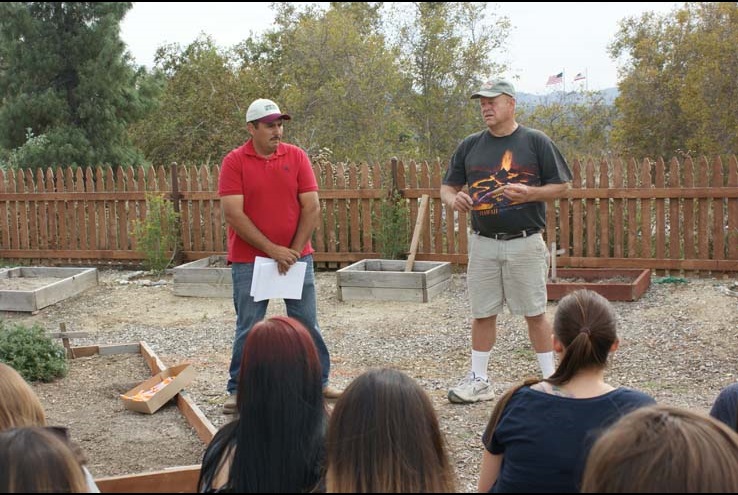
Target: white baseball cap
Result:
[264, 110]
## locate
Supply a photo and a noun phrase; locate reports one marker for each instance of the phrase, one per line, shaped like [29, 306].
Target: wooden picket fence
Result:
[675, 217]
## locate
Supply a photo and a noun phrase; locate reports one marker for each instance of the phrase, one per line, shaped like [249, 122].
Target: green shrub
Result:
[31, 352]
[156, 235]
[393, 227]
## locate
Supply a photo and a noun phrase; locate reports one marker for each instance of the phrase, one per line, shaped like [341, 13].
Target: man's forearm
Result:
[309, 219]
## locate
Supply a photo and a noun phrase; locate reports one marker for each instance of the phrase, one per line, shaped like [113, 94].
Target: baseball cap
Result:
[264, 110]
[495, 87]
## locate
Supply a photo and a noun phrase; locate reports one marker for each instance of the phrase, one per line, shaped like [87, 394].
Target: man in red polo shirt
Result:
[270, 199]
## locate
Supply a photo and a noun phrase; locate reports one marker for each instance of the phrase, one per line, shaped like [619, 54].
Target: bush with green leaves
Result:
[31, 352]
[156, 235]
[393, 227]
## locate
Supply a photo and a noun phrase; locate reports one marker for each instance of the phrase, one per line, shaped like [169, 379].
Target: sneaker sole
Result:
[455, 399]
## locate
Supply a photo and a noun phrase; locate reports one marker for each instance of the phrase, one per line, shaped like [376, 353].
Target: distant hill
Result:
[532, 100]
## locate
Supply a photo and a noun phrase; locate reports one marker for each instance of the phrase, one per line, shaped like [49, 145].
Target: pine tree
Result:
[69, 88]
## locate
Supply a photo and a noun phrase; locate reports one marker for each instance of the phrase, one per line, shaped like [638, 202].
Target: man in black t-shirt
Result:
[510, 172]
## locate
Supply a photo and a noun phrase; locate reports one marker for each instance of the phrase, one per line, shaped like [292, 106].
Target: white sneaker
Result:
[471, 389]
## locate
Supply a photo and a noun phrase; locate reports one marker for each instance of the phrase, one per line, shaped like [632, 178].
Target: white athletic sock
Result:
[480, 360]
[546, 362]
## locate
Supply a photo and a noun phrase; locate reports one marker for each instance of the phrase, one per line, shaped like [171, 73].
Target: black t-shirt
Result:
[484, 163]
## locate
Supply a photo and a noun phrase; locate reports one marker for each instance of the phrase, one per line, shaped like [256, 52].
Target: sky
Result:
[546, 38]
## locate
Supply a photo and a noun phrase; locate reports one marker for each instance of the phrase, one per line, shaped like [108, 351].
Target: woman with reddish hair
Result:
[276, 444]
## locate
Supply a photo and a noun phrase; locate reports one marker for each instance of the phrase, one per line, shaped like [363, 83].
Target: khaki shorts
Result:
[513, 271]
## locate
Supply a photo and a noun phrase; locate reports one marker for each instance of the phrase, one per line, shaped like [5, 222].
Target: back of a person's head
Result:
[281, 426]
[37, 460]
[586, 326]
[663, 449]
[383, 436]
[19, 405]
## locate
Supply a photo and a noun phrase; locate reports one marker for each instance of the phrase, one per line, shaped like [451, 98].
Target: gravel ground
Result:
[679, 343]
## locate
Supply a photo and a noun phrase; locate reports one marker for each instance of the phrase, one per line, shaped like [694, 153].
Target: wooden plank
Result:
[366, 212]
[417, 232]
[155, 364]
[576, 212]
[674, 237]
[656, 264]
[353, 208]
[185, 205]
[91, 214]
[14, 233]
[330, 217]
[660, 211]
[342, 216]
[425, 234]
[590, 211]
[196, 213]
[631, 207]
[437, 210]
[61, 208]
[688, 238]
[4, 231]
[646, 212]
[208, 206]
[97, 254]
[53, 213]
[718, 213]
[377, 203]
[79, 185]
[101, 241]
[106, 350]
[221, 241]
[182, 479]
[42, 211]
[22, 213]
[604, 217]
[120, 215]
[194, 416]
[32, 211]
[202, 289]
[733, 210]
[110, 212]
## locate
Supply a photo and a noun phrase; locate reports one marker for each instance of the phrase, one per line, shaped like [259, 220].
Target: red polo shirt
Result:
[270, 189]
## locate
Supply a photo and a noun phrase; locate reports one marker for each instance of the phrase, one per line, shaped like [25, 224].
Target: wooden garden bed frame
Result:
[178, 479]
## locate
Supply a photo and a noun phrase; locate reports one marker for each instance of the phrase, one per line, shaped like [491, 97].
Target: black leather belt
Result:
[504, 236]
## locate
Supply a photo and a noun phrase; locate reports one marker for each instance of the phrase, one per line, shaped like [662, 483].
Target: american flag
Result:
[558, 78]
[579, 77]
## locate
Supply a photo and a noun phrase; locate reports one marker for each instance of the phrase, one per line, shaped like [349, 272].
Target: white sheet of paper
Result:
[267, 283]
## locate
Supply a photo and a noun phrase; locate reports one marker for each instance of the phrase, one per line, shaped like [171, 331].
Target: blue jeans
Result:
[250, 312]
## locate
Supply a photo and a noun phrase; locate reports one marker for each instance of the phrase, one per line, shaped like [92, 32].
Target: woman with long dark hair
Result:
[277, 442]
[384, 438]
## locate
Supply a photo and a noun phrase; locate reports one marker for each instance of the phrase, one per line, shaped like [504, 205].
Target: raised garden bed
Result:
[206, 277]
[614, 284]
[33, 288]
[388, 280]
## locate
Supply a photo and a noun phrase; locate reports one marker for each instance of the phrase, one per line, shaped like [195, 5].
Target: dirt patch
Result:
[88, 401]
[679, 343]
[26, 283]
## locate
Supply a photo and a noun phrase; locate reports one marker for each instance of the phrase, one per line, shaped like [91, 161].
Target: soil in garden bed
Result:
[121, 441]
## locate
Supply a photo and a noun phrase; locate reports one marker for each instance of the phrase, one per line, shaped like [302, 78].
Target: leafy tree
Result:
[201, 113]
[579, 123]
[446, 52]
[337, 77]
[678, 93]
[67, 81]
